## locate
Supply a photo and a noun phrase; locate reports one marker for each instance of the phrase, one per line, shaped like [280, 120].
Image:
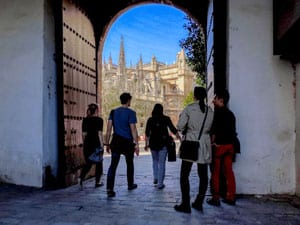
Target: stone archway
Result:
[223, 55]
[85, 24]
[32, 44]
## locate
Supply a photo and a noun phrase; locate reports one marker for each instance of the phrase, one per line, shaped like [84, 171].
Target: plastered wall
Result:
[261, 87]
[27, 79]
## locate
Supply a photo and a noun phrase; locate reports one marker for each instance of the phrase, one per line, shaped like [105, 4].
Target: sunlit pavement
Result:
[145, 205]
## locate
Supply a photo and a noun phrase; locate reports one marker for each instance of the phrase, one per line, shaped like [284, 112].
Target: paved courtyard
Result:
[145, 205]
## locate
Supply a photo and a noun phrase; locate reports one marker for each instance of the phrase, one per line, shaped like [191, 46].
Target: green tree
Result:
[188, 99]
[195, 49]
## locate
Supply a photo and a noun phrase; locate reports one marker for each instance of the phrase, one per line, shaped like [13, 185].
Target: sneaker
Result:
[183, 208]
[111, 194]
[161, 187]
[131, 187]
[228, 201]
[99, 184]
[155, 181]
[213, 202]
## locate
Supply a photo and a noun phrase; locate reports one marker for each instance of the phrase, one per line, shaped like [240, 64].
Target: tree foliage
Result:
[195, 50]
[188, 99]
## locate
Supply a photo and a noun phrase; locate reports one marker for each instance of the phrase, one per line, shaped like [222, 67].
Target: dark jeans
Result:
[111, 174]
[185, 184]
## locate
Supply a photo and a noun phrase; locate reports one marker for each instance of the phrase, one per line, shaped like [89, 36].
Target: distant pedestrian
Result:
[92, 128]
[157, 134]
[223, 132]
[190, 122]
[124, 141]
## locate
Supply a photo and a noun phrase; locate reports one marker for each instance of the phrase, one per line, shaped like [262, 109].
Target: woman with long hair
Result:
[156, 137]
[189, 124]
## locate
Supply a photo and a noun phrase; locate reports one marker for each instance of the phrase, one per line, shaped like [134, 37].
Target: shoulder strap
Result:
[200, 133]
[112, 117]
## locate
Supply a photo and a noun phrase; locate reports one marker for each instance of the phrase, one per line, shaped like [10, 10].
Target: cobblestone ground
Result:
[145, 205]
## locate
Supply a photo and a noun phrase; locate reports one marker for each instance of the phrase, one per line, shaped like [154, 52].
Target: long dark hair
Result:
[200, 94]
[157, 110]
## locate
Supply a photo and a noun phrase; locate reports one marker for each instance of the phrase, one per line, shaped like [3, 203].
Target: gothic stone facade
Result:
[151, 83]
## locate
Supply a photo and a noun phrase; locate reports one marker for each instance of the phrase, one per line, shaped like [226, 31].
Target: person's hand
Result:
[146, 148]
[107, 148]
[137, 150]
[214, 146]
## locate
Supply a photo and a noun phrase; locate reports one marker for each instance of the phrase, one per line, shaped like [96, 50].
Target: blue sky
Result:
[148, 30]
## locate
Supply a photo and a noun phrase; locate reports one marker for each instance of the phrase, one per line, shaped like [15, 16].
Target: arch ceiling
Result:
[101, 12]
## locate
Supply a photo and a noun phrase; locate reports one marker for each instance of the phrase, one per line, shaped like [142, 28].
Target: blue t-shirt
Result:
[123, 117]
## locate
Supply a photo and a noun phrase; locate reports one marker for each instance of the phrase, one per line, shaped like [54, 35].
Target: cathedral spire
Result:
[110, 59]
[122, 62]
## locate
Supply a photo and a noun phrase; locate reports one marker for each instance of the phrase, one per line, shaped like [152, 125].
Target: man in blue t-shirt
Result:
[124, 141]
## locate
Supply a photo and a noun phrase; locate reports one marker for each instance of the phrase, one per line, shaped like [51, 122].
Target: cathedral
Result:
[150, 83]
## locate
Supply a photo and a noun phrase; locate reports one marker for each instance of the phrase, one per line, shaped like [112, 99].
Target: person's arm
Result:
[173, 129]
[147, 134]
[183, 121]
[83, 130]
[100, 134]
[134, 134]
[178, 136]
[83, 136]
[146, 143]
[108, 134]
[213, 131]
[213, 138]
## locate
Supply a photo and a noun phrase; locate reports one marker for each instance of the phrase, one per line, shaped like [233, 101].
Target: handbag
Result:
[189, 149]
[236, 144]
[97, 155]
[171, 147]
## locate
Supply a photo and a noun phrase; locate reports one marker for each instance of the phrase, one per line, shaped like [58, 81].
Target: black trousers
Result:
[86, 168]
[111, 174]
[185, 184]
[88, 165]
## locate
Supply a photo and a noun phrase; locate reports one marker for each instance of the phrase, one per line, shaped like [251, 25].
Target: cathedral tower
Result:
[121, 72]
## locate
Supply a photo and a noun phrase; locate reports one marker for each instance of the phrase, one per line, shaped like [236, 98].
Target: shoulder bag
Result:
[171, 146]
[189, 149]
[97, 155]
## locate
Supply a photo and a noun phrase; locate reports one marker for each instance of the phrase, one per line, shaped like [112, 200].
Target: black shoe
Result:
[111, 194]
[197, 206]
[99, 185]
[155, 182]
[213, 202]
[131, 187]
[229, 202]
[161, 187]
[183, 208]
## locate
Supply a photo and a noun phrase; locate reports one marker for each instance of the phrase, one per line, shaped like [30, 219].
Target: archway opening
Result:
[142, 55]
